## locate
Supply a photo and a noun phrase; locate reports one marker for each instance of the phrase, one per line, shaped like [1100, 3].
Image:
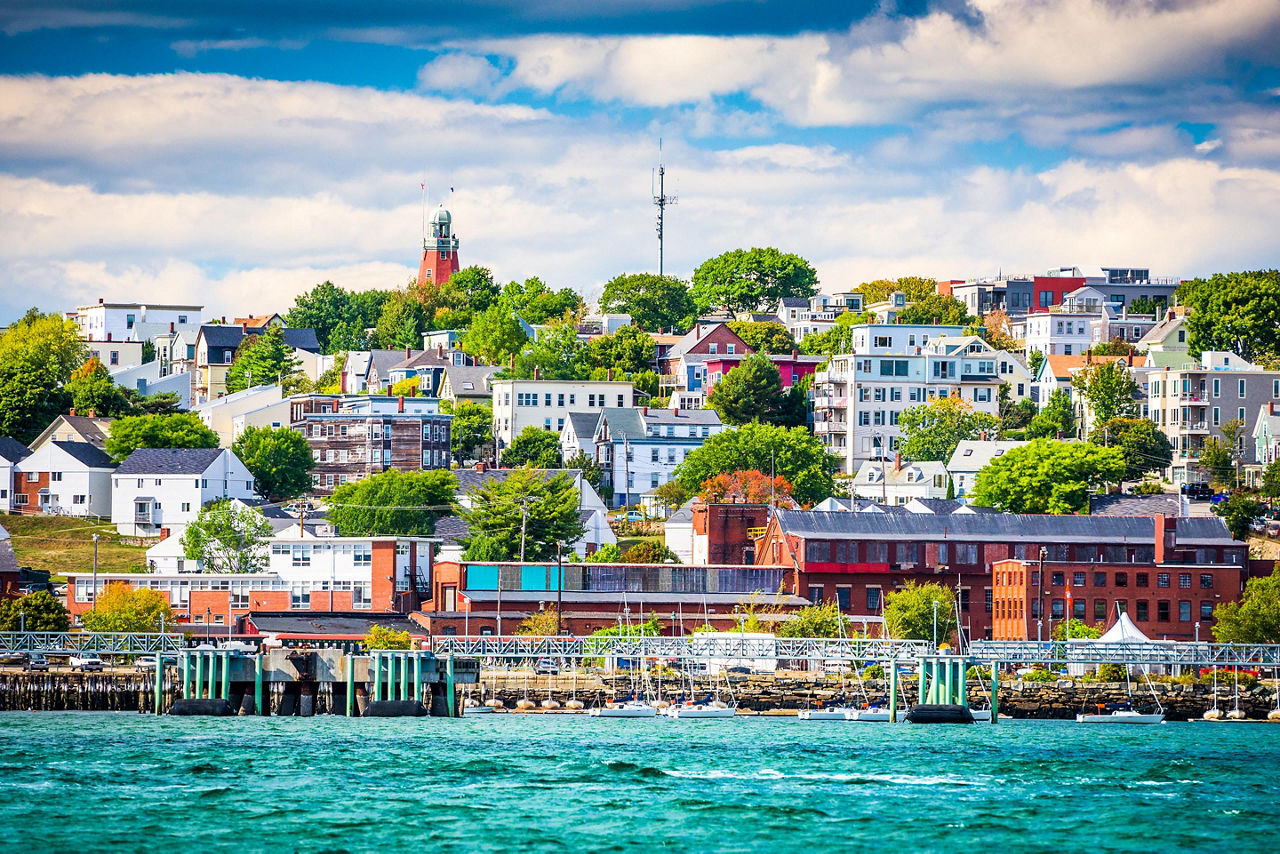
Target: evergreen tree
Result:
[526, 507]
[262, 360]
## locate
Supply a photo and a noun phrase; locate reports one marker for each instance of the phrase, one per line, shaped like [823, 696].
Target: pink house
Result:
[791, 367]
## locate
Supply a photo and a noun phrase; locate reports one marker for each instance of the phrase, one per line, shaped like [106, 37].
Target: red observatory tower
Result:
[439, 251]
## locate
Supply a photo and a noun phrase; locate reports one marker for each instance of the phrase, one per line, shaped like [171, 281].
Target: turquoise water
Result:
[104, 782]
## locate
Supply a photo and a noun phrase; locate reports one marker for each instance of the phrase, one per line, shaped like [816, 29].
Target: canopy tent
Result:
[1122, 631]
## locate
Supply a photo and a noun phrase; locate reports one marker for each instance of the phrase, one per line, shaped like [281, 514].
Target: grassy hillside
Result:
[60, 544]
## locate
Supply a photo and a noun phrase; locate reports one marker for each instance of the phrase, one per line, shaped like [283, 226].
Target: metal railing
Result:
[1179, 653]
[107, 643]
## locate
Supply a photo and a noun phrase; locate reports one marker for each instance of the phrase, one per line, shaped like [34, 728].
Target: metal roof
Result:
[981, 527]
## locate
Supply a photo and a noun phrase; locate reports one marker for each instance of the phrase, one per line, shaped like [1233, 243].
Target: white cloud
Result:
[458, 73]
[190, 48]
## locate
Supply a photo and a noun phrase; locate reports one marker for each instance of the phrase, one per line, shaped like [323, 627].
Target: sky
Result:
[233, 154]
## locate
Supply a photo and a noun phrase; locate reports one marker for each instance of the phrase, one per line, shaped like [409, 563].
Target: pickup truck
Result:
[86, 661]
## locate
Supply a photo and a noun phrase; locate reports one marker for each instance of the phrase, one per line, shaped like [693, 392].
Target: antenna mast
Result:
[661, 200]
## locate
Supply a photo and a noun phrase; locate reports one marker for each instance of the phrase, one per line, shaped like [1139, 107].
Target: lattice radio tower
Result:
[662, 200]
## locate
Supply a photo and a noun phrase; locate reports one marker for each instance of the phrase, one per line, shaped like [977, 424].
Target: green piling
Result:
[159, 681]
[893, 692]
[226, 675]
[351, 685]
[404, 676]
[213, 676]
[199, 686]
[963, 679]
[449, 684]
[924, 666]
[995, 691]
[257, 685]
[377, 676]
[417, 677]
[186, 675]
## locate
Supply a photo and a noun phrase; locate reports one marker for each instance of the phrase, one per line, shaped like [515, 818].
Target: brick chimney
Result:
[244, 327]
[1128, 359]
[537, 372]
[897, 461]
[108, 336]
[644, 410]
[400, 407]
[93, 413]
[72, 413]
[407, 353]
[610, 375]
[1159, 520]
[99, 300]
[170, 327]
[440, 351]
[795, 354]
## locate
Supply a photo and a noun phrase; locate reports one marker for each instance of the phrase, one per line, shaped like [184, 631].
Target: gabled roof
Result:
[1064, 367]
[630, 423]
[91, 430]
[975, 454]
[794, 302]
[583, 423]
[696, 334]
[1169, 504]
[184, 461]
[384, 360]
[477, 375]
[13, 450]
[87, 454]
[1203, 531]
[227, 336]
[468, 478]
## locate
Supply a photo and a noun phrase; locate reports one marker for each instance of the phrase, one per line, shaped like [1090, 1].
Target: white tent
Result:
[1122, 631]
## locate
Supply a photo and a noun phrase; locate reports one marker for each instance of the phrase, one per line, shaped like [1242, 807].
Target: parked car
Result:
[1220, 498]
[1197, 491]
[1273, 529]
[146, 664]
[547, 665]
[36, 661]
[9, 656]
[86, 661]
[60, 590]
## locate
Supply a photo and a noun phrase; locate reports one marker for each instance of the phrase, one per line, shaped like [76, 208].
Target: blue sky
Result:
[236, 153]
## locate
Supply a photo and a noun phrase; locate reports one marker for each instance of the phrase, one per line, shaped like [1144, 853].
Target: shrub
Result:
[1040, 676]
[978, 674]
[1111, 672]
[381, 637]
[873, 671]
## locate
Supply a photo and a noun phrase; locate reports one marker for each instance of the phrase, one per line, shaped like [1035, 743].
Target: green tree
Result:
[1148, 305]
[471, 431]
[838, 339]
[1014, 416]
[751, 392]
[538, 448]
[1035, 359]
[630, 350]
[37, 355]
[1079, 629]
[931, 431]
[1240, 511]
[495, 335]
[403, 319]
[937, 308]
[654, 302]
[1145, 447]
[36, 612]
[468, 291]
[556, 354]
[179, 430]
[228, 537]
[349, 336]
[323, 308]
[608, 553]
[278, 458]
[1255, 618]
[534, 301]
[1271, 480]
[649, 551]
[748, 280]
[121, 608]
[1235, 312]
[526, 509]
[262, 360]
[585, 463]
[795, 454]
[1046, 476]
[1217, 458]
[383, 637]
[769, 337]
[909, 612]
[1056, 418]
[92, 390]
[392, 503]
[821, 620]
[915, 288]
[672, 494]
[1108, 389]
[543, 624]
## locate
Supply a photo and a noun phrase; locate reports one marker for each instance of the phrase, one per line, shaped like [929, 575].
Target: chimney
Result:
[93, 413]
[244, 327]
[407, 354]
[897, 461]
[440, 351]
[982, 436]
[400, 408]
[170, 327]
[795, 354]
[72, 413]
[1128, 359]
[1159, 520]
[224, 319]
[537, 372]
[108, 336]
[610, 375]
[99, 300]
[644, 410]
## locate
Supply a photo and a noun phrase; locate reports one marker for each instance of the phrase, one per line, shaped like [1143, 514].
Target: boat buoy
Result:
[1273, 715]
[524, 705]
[1213, 715]
[1235, 715]
[494, 704]
[575, 705]
[550, 704]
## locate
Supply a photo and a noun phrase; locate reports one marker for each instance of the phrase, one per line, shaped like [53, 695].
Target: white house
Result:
[899, 482]
[219, 413]
[547, 404]
[970, 457]
[113, 321]
[12, 452]
[639, 448]
[678, 533]
[579, 435]
[64, 479]
[159, 489]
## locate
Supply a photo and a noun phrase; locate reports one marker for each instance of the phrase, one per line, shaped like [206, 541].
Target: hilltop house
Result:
[162, 489]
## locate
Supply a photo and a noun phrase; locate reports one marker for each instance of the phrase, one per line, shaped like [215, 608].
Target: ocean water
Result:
[121, 782]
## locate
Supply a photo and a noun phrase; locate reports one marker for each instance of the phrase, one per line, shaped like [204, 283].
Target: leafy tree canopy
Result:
[529, 506]
[998, 326]
[278, 458]
[937, 308]
[262, 360]
[649, 551]
[1235, 312]
[179, 430]
[1256, 617]
[228, 537]
[1108, 389]
[837, 339]
[794, 454]
[338, 316]
[630, 350]
[556, 354]
[909, 612]
[1271, 480]
[392, 503]
[746, 487]
[1218, 459]
[1240, 511]
[585, 463]
[931, 431]
[1146, 449]
[404, 318]
[538, 448]
[534, 301]
[820, 620]
[37, 356]
[472, 430]
[542, 624]
[495, 335]
[1046, 476]
[121, 608]
[1079, 629]
[1056, 417]
[768, 337]
[915, 288]
[92, 390]
[654, 302]
[1014, 416]
[382, 637]
[672, 494]
[36, 612]
[751, 279]
[467, 291]
[753, 392]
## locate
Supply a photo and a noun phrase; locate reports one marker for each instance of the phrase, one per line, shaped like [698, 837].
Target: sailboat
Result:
[1214, 714]
[1125, 713]
[633, 705]
[709, 707]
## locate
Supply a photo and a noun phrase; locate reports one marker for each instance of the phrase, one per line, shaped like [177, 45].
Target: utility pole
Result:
[559, 587]
[524, 518]
[662, 200]
[95, 571]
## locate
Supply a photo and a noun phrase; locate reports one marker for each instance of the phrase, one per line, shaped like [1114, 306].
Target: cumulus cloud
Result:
[458, 73]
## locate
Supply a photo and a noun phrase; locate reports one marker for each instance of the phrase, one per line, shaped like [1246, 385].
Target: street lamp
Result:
[1040, 596]
[1197, 631]
[208, 622]
[935, 625]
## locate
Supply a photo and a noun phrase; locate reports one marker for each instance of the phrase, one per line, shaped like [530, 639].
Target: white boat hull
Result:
[1121, 718]
[682, 712]
[478, 710]
[983, 715]
[834, 714]
[629, 710]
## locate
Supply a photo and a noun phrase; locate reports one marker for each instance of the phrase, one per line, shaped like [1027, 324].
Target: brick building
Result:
[1166, 573]
[355, 436]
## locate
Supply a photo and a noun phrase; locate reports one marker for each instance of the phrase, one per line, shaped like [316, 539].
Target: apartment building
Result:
[355, 436]
[163, 489]
[547, 404]
[638, 449]
[859, 397]
[215, 348]
[816, 314]
[125, 322]
[1191, 403]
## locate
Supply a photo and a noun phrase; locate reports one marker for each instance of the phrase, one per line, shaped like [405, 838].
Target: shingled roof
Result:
[186, 461]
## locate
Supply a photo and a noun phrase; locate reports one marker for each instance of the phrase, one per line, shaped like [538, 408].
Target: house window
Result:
[653, 455]
[1162, 611]
[1162, 579]
[186, 507]
[653, 480]
[1184, 580]
[873, 600]
[115, 357]
[844, 597]
[713, 348]
[1206, 582]
[815, 593]
[1184, 611]
[730, 348]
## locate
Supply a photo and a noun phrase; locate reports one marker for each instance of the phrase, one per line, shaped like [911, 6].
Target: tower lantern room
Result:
[439, 250]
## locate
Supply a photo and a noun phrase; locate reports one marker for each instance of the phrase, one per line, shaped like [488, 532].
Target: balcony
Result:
[824, 427]
[1199, 428]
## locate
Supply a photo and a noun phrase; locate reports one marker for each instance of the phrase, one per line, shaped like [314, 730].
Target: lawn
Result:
[61, 544]
[625, 543]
